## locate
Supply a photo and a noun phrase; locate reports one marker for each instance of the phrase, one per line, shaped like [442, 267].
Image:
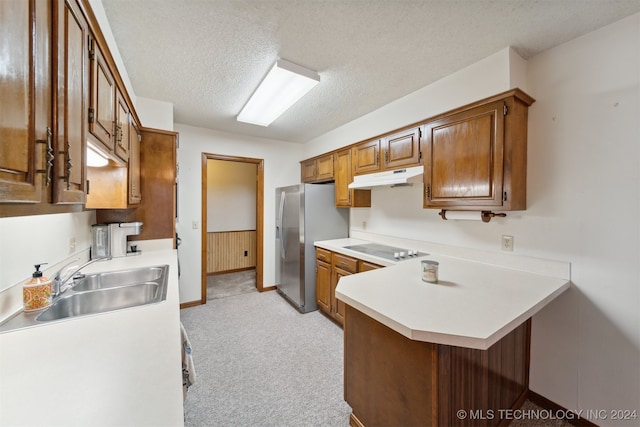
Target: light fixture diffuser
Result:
[282, 87]
[95, 158]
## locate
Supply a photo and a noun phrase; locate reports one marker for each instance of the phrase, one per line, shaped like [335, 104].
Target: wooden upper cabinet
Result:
[122, 141]
[25, 101]
[324, 168]
[133, 169]
[102, 107]
[71, 88]
[402, 149]
[308, 170]
[366, 157]
[343, 174]
[476, 158]
[318, 169]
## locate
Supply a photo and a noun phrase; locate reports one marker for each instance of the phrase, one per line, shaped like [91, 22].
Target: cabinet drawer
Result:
[345, 263]
[367, 266]
[323, 255]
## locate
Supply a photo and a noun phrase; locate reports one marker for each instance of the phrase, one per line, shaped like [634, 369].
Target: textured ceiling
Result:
[207, 56]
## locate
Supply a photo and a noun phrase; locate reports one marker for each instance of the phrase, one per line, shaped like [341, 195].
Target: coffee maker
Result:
[110, 240]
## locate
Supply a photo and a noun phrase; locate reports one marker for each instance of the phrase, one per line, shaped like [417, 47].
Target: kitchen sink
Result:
[100, 293]
[112, 279]
[102, 300]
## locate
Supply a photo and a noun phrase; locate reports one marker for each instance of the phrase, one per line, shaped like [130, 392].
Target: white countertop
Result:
[117, 368]
[474, 304]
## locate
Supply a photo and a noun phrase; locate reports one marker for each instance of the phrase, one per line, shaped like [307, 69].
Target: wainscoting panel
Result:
[226, 250]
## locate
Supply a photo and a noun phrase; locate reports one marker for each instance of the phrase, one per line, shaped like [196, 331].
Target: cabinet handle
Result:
[386, 156]
[49, 156]
[69, 165]
[427, 191]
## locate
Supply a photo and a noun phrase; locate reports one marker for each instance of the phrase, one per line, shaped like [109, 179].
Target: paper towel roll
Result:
[464, 215]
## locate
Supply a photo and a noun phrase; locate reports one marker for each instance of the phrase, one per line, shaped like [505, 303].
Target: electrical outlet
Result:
[246, 253]
[507, 243]
[364, 225]
[72, 244]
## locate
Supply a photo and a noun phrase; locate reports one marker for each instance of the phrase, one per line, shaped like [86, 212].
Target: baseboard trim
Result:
[235, 270]
[545, 403]
[190, 304]
[267, 289]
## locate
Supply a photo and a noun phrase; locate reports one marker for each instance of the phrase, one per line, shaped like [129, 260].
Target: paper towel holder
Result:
[484, 215]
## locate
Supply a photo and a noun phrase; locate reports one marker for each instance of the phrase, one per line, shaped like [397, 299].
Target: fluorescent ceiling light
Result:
[95, 158]
[283, 86]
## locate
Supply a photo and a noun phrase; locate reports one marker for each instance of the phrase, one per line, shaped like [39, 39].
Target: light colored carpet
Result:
[228, 284]
[259, 362]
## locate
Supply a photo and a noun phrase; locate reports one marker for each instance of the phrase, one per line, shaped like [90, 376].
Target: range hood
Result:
[394, 177]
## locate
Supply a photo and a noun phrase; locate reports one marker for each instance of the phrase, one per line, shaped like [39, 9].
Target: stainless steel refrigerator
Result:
[305, 213]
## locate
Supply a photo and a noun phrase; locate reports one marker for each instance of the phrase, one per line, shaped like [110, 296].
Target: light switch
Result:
[195, 225]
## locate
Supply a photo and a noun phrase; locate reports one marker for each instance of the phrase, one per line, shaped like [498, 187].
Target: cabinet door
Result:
[133, 169]
[366, 157]
[25, 100]
[342, 175]
[308, 170]
[102, 123]
[324, 168]
[464, 159]
[122, 128]
[402, 149]
[338, 306]
[323, 286]
[70, 68]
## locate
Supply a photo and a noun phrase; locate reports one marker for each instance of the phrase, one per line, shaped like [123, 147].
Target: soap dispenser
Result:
[36, 292]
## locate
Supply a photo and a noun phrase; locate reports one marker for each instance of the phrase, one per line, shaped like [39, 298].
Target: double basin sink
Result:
[100, 293]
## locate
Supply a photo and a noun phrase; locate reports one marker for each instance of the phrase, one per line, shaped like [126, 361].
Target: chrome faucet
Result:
[59, 283]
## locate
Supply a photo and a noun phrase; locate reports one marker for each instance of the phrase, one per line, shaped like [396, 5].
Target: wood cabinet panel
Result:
[475, 158]
[158, 180]
[102, 123]
[225, 250]
[367, 266]
[465, 157]
[158, 177]
[317, 169]
[25, 94]
[308, 170]
[393, 380]
[121, 136]
[323, 285]
[345, 263]
[366, 157]
[70, 69]
[323, 255]
[388, 377]
[133, 167]
[338, 307]
[343, 174]
[325, 168]
[402, 149]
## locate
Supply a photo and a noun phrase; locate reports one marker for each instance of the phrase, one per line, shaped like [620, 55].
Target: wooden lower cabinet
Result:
[330, 267]
[323, 286]
[393, 380]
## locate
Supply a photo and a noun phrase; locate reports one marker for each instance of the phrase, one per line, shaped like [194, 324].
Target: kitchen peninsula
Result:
[418, 353]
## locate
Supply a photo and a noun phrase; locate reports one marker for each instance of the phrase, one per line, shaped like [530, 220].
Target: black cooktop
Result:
[387, 252]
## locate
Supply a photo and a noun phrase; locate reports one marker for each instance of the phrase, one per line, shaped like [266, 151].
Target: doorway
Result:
[232, 223]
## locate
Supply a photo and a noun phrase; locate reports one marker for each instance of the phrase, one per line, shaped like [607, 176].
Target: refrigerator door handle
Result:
[281, 226]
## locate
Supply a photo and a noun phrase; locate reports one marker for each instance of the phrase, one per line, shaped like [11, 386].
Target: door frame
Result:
[259, 218]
